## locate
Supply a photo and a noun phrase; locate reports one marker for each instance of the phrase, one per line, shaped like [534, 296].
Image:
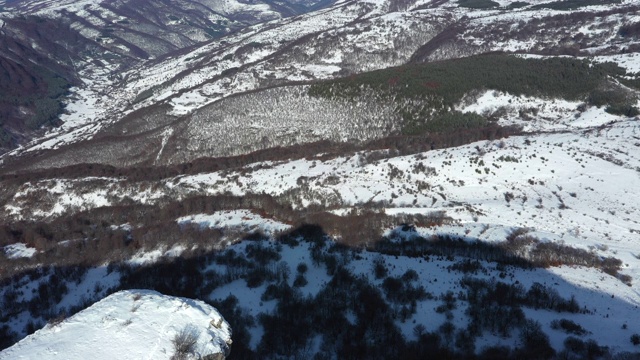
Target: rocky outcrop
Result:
[132, 324]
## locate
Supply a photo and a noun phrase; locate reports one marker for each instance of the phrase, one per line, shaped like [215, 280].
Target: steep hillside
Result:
[162, 103]
[88, 44]
[408, 100]
[576, 28]
[227, 66]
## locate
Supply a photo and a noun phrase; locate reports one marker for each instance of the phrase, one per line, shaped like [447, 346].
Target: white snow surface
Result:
[536, 114]
[243, 219]
[19, 250]
[149, 257]
[132, 324]
[630, 62]
[345, 36]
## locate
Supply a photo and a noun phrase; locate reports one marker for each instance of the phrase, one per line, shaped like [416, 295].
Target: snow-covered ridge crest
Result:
[131, 324]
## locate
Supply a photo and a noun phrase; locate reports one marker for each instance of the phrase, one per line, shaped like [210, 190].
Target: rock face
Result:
[132, 324]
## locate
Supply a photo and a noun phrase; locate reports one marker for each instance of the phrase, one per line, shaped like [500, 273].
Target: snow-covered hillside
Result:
[204, 74]
[457, 178]
[558, 181]
[132, 324]
[345, 38]
[90, 44]
[591, 288]
[349, 36]
[268, 279]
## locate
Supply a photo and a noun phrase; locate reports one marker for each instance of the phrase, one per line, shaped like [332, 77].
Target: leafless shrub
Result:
[57, 320]
[508, 196]
[184, 342]
[135, 307]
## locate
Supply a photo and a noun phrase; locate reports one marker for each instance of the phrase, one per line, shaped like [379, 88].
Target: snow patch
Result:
[243, 219]
[19, 250]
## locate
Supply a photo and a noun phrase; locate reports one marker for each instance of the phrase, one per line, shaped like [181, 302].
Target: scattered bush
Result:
[611, 97]
[535, 343]
[7, 337]
[496, 353]
[574, 345]
[465, 343]
[410, 275]
[239, 322]
[380, 268]
[257, 277]
[623, 109]
[569, 327]
[508, 196]
[403, 292]
[263, 255]
[300, 281]
[577, 348]
[302, 268]
[184, 342]
[630, 30]
[271, 292]
[468, 266]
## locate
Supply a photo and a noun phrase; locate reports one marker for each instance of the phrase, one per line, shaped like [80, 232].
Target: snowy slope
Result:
[590, 287]
[240, 219]
[560, 183]
[18, 250]
[132, 324]
[571, 179]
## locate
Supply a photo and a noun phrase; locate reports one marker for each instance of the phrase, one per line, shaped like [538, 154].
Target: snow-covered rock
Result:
[16, 251]
[132, 324]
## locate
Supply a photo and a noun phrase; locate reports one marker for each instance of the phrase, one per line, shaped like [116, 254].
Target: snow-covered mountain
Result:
[48, 46]
[166, 100]
[453, 177]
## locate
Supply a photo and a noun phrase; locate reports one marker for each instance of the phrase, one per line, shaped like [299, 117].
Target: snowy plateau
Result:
[351, 179]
